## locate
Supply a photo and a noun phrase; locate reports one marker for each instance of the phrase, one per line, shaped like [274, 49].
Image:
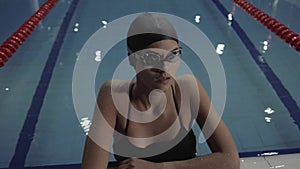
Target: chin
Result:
[163, 87]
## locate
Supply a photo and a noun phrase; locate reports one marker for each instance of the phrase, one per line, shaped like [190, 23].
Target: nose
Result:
[162, 66]
[165, 65]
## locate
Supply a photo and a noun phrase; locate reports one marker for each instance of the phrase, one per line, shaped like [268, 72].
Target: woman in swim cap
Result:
[148, 121]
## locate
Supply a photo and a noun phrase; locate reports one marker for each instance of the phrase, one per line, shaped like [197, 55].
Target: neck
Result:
[141, 93]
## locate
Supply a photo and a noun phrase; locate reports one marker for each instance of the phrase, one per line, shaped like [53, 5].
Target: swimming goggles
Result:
[150, 57]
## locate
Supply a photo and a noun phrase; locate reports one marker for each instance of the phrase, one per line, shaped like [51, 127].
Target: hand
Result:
[135, 163]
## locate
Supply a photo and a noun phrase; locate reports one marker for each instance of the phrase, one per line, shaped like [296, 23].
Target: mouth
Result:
[164, 79]
[161, 76]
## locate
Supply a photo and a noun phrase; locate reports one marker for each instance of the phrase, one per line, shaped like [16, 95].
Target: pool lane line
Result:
[111, 164]
[271, 152]
[272, 78]
[27, 132]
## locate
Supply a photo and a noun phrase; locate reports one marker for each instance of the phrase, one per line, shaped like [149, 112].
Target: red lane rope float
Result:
[282, 31]
[9, 47]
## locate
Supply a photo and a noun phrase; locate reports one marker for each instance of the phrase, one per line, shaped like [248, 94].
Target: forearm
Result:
[210, 161]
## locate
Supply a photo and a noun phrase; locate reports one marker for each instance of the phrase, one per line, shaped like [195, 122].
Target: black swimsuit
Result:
[184, 149]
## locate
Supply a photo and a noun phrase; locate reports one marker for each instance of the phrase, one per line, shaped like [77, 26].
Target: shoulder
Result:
[113, 95]
[186, 78]
[187, 83]
[118, 86]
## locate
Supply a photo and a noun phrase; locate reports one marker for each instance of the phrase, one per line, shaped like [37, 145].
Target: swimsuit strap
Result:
[175, 101]
[130, 97]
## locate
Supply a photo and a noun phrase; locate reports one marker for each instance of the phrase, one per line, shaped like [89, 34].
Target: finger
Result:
[125, 161]
[123, 166]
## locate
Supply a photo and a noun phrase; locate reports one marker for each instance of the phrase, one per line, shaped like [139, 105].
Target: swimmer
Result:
[154, 113]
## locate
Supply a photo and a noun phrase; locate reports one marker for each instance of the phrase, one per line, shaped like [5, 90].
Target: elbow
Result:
[234, 162]
[229, 160]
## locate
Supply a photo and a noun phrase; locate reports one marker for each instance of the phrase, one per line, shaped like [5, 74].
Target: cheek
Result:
[145, 74]
[174, 68]
[176, 65]
[146, 77]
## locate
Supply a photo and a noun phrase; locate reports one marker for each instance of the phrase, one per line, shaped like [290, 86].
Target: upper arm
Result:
[99, 139]
[214, 129]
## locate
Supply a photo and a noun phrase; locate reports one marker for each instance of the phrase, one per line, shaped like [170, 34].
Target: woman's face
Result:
[157, 65]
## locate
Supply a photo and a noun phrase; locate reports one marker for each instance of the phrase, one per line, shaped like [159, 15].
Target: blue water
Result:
[57, 137]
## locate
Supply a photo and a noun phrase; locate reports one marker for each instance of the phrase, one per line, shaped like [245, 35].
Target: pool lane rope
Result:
[28, 131]
[282, 31]
[10, 46]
